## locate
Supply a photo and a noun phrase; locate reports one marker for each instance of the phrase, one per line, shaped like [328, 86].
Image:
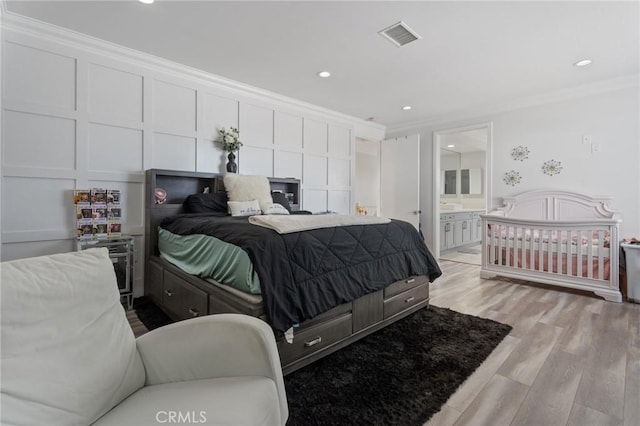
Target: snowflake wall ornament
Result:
[551, 167]
[520, 153]
[512, 178]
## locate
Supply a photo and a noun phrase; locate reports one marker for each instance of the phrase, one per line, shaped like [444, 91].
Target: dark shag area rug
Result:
[400, 375]
[149, 314]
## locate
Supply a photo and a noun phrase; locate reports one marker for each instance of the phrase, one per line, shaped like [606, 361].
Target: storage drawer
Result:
[315, 339]
[338, 311]
[153, 286]
[182, 299]
[405, 300]
[403, 285]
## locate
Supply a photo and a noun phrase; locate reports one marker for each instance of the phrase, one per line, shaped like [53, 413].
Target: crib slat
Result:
[500, 244]
[509, 252]
[580, 254]
[507, 243]
[523, 248]
[600, 252]
[549, 251]
[514, 251]
[558, 252]
[494, 244]
[569, 253]
[531, 249]
[590, 253]
[540, 251]
[514, 244]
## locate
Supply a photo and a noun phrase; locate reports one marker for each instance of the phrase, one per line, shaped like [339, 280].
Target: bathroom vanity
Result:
[460, 227]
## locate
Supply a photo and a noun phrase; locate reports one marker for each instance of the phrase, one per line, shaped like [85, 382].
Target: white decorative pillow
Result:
[275, 208]
[247, 188]
[244, 208]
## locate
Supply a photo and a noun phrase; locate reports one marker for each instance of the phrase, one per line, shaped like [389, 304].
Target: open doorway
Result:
[462, 190]
[367, 177]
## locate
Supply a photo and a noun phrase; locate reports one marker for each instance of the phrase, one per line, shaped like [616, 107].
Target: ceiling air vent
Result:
[399, 34]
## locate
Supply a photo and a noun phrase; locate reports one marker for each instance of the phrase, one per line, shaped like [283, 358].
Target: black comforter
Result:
[303, 274]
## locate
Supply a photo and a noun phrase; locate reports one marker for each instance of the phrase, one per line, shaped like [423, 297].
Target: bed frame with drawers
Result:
[183, 296]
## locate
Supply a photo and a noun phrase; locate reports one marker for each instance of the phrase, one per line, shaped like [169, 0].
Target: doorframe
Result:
[437, 134]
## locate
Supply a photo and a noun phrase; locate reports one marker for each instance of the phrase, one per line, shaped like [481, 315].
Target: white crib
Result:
[554, 237]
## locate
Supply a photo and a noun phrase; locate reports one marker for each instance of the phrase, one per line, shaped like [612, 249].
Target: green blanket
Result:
[209, 257]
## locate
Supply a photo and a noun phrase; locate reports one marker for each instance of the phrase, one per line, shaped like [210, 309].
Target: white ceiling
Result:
[471, 53]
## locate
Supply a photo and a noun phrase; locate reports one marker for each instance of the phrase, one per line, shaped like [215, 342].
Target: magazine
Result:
[113, 196]
[98, 196]
[81, 196]
[114, 228]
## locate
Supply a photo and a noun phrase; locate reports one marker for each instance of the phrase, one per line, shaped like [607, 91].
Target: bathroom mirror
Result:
[449, 182]
[471, 181]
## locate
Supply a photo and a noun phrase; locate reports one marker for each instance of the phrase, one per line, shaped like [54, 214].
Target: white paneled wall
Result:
[77, 116]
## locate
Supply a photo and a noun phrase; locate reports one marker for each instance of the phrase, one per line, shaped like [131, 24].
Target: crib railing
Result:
[573, 254]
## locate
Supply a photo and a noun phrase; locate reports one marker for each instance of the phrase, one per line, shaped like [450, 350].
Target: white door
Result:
[400, 179]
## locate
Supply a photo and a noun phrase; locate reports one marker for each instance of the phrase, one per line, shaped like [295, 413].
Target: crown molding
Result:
[35, 28]
[590, 89]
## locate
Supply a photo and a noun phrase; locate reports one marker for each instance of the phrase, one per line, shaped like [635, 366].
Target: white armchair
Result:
[69, 356]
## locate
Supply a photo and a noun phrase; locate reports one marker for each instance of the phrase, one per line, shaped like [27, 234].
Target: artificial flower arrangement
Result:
[229, 139]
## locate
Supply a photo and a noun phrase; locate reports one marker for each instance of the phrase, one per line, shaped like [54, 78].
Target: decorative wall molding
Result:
[85, 103]
[584, 90]
[33, 27]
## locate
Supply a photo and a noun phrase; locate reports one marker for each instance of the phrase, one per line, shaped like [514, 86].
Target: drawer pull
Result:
[409, 300]
[168, 293]
[313, 342]
[193, 312]
[409, 281]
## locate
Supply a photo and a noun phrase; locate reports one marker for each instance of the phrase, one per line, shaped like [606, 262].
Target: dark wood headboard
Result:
[179, 185]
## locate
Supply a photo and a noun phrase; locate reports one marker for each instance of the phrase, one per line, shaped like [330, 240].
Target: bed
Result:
[560, 238]
[357, 297]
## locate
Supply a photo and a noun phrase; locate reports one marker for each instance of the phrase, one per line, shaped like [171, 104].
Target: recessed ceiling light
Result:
[582, 63]
[406, 107]
[450, 146]
[370, 119]
[146, 1]
[324, 74]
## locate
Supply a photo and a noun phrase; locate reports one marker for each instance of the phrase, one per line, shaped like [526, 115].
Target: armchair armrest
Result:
[223, 345]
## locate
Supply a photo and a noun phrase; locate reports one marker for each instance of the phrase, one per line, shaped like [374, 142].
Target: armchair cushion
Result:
[68, 352]
[245, 400]
[223, 345]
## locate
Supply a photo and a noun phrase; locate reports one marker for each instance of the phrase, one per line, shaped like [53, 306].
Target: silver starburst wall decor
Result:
[520, 153]
[551, 167]
[512, 178]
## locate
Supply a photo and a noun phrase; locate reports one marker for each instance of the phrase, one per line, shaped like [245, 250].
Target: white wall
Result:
[80, 113]
[554, 131]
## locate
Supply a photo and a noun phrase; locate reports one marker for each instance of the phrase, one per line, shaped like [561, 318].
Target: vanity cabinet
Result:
[460, 228]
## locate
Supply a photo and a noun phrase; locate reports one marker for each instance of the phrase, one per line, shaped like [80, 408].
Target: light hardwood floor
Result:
[571, 358]
[136, 325]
